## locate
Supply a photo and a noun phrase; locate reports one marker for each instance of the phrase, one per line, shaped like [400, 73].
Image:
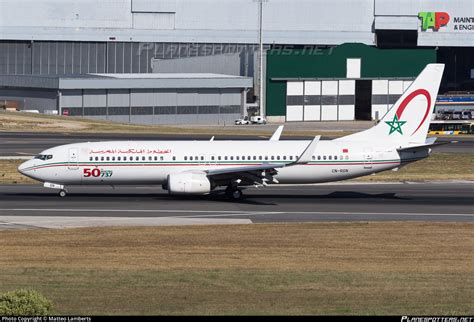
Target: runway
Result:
[21, 144]
[32, 206]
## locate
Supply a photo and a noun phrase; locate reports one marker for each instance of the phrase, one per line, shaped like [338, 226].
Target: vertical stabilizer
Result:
[408, 119]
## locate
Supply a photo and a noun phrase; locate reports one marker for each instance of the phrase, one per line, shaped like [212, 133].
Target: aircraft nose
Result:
[23, 166]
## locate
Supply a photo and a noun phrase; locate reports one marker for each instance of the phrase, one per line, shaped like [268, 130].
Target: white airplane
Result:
[198, 167]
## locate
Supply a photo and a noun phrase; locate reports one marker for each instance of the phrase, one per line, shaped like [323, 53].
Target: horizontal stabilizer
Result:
[429, 143]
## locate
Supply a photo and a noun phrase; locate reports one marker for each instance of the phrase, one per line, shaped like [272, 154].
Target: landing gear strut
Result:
[234, 193]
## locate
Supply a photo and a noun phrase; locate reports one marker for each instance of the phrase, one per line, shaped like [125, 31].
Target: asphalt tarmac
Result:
[32, 206]
[27, 144]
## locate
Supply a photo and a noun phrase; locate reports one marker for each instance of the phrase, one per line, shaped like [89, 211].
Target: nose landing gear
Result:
[60, 187]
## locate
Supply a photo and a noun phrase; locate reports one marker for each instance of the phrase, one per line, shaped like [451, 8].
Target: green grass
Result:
[326, 268]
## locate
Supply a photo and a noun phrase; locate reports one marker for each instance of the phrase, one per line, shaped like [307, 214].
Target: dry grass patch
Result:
[27, 122]
[325, 268]
[9, 173]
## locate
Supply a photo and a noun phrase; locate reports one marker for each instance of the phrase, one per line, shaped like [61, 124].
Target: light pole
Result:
[260, 51]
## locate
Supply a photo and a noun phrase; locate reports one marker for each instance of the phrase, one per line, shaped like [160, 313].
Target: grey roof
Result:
[126, 81]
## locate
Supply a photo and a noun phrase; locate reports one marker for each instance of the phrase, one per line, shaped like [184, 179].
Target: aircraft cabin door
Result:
[368, 158]
[73, 159]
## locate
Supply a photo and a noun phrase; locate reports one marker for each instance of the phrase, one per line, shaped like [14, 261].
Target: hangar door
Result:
[320, 100]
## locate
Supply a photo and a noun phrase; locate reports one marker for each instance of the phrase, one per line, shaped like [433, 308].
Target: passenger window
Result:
[174, 158]
[232, 157]
[278, 157]
[330, 157]
[97, 158]
[225, 158]
[219, 158]
[347, 157]
[273, 157]
[113, 158]
[313, 157]
[137, 158]
[237, 158]
[335, 157]
[185, 158]
[101, 158]
[290, 157]
[255, 157]
[150, 158]
[324, 157]
[119, 158]
[202, 158]
[191, 158]
[260, 157]
[266, 157]
[50, 156]
[161, 158]
[212, 158]
[91, 158]
[143, 158]
[319, 157]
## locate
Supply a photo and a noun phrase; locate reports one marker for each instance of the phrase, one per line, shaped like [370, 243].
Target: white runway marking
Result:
[81, 222]
[232, 213]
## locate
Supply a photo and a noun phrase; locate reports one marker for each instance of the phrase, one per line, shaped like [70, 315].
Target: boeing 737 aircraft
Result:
[198, 167]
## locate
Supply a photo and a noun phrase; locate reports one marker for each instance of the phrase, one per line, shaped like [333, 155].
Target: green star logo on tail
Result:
[395, 125]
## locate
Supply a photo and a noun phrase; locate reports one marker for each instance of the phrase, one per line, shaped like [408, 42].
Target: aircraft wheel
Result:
[62, 193]
[234, 194]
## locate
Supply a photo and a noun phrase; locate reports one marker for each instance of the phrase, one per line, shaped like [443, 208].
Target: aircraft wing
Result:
[260, 167]
[262, 173]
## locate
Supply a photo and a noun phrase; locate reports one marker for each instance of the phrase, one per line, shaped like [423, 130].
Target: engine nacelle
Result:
[188, 183]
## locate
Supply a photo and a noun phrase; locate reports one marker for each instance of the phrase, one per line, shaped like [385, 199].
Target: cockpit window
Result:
[44, 156]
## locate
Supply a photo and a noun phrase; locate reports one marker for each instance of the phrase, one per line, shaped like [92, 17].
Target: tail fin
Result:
[408, 119]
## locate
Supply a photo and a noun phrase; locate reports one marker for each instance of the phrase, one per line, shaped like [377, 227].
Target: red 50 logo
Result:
[91, 172]
[97, 172]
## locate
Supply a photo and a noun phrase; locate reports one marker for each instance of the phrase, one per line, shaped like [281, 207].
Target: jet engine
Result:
[188, 183]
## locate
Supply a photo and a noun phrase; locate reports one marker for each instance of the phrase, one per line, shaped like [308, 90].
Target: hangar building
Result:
[323, 60]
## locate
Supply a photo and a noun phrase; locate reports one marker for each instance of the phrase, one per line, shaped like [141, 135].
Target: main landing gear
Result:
[63, 193]
[234, 193]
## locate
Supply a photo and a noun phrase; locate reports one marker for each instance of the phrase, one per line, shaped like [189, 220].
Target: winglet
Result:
[305, 157]
[276, 135]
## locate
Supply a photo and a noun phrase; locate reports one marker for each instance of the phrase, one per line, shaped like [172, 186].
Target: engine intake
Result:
[188, 183]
